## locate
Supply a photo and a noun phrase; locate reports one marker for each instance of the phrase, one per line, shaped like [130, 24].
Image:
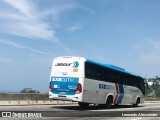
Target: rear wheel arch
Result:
[138, 99]
[109, 96]
[108, 102]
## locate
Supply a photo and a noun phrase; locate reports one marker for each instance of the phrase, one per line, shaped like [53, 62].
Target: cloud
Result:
[23, 7]
[57, 8]
[151, 58]
[27, 19]
[149, 51]
[156, 45]
[76, 27]
[23, 21]
[15, 45]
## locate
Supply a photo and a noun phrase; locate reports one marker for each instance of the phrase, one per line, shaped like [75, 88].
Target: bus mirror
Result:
[49, 67]
[146, 85]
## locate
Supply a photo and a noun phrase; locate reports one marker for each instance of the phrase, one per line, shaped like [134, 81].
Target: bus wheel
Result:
[102, 106]
[116, 105]
[138, 101]
[83, 105]
[109, 102]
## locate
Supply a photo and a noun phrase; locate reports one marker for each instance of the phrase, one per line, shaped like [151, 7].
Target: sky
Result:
[125, 33]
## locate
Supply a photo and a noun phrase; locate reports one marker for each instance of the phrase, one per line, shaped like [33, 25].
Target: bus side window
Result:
[115, 77]
[89, 70]
[132, 80]
[105, 75]
[126, 79]
[121, 78]
[108, 75]
[141, 84]
[98, 73]
[135, 82]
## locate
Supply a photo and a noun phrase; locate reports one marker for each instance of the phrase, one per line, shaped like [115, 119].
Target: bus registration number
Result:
[63, 93]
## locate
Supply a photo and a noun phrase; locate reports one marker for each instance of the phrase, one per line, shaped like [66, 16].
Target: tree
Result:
[29, 90]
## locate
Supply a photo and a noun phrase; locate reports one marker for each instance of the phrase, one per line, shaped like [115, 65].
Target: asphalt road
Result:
[147, 111]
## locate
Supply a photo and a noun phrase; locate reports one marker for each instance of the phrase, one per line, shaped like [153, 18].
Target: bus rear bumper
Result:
[64, 97]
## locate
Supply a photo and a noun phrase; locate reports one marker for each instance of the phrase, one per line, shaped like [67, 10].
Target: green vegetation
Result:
[155, 87]
[29, 90]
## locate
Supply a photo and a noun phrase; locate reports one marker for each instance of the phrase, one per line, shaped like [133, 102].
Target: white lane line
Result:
[136, 119]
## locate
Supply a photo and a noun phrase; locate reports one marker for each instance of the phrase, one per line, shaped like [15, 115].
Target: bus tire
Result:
[109, 102]
[116, 105]
[102, 106]
[137, 101]
[83, 105]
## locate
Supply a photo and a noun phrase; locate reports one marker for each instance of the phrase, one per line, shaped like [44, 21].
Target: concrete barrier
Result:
[23, 96]
[29, 99]
[32, 102]
[151, 101]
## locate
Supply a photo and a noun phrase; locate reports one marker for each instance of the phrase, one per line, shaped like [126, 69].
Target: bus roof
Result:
[112, 67]
[101, 64]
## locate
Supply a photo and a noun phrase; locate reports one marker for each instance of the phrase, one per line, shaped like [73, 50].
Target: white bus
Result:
[88, 82]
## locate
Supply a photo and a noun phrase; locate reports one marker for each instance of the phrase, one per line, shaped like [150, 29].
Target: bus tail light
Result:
[50, 86]
[79, 89]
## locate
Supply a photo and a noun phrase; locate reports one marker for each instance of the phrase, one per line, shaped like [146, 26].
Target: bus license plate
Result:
[62, 93]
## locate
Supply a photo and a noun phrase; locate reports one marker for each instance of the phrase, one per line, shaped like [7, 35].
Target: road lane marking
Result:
[136, 119]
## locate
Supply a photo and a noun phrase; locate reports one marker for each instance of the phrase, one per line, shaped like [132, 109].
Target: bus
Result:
[88, 82]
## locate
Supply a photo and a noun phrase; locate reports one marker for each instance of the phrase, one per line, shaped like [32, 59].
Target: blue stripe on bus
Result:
[121, 92]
